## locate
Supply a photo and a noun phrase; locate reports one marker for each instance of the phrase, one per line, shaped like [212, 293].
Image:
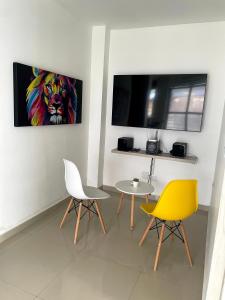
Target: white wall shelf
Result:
[191, 159]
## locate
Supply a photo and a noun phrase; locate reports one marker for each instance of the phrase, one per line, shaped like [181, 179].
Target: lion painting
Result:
[51, 99]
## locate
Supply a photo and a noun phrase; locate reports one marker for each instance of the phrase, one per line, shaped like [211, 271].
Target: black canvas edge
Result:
[81, 102]
[15, 94]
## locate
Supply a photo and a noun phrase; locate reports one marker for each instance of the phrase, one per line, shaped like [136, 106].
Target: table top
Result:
[127, 187]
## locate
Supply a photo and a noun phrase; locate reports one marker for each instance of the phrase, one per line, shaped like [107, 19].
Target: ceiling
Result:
[133, 13]
[115, 13]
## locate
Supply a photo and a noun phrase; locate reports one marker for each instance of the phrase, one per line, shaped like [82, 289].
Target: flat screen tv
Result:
[174, 102]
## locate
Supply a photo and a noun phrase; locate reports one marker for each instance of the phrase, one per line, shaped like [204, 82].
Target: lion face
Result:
[55, 93]
[51, 99]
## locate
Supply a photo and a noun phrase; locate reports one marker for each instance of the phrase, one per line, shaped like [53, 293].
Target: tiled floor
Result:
[43, 263]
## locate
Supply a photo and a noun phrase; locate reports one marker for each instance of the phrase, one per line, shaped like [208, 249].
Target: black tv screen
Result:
[174, 102]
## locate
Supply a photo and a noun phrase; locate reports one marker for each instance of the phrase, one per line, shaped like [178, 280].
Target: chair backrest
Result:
[178, 201]
[73, 180]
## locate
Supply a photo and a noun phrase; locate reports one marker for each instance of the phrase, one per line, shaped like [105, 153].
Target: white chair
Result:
[82, 196]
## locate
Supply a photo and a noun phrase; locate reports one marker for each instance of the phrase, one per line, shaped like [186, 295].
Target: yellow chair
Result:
[178, 201]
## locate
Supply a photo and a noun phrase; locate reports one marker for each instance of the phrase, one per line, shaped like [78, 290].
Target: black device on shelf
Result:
[162, 101]
[125, 143]
[153, 147]
[179, 149]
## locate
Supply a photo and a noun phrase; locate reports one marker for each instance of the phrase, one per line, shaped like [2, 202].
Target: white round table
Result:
[126, 187]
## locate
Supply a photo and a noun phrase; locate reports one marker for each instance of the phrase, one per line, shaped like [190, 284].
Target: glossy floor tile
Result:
[92, 278]
[32, 262]
[42, 262]
[8, 292]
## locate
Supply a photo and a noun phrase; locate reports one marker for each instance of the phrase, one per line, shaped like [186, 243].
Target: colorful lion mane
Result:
[51, 99]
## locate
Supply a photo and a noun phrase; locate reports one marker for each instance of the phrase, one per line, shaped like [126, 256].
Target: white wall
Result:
[96, 89]
[31, 173]
[103, 109]
[195, 48]
[215, 243]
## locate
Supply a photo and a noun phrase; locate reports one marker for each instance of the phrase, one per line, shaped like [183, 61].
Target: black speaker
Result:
[125, 143]
[179, 149]
[153, 147]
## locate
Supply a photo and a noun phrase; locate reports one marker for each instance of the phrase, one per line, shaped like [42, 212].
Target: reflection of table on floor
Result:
[126, 187]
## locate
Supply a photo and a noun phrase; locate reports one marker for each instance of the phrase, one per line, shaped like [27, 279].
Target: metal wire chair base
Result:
[174, 230]
[89, 207]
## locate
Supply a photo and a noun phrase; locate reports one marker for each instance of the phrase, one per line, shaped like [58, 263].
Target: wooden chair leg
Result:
[186, 244]
[132, 212]
[89, 212]
[146, 231]
[120, 203]
[159, 246]
[77, 223]
[146, 199]
[100, 217]
[66, 212]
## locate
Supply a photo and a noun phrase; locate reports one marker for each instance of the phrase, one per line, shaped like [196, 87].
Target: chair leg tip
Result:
[141, 242]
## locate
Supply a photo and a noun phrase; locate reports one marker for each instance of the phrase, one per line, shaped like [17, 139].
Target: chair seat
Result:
[94, 193]
[148, 208]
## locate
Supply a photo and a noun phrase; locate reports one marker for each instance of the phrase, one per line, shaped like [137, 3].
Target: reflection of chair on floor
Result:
[82, 196]
[178, 201]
